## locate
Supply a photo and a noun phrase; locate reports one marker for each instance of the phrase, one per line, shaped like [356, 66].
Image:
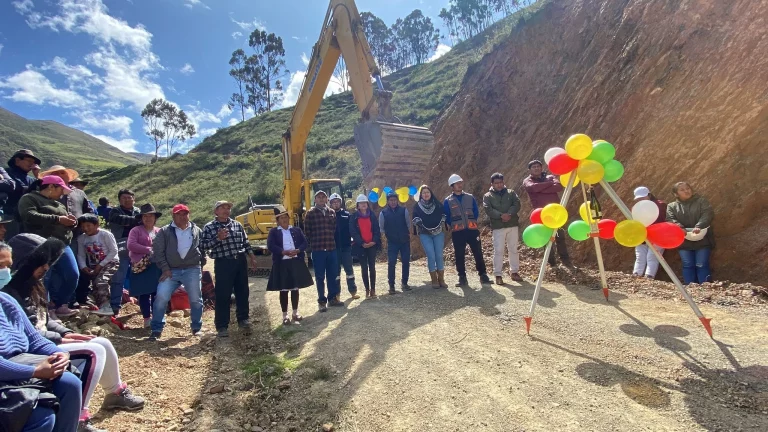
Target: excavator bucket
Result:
[393, 154]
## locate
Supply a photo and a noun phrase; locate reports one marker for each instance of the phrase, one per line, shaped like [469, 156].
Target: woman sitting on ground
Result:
[693, 213]
[646, 262]
[289, 270]
[95, 355]
[145, 272]
[366, 242]
[25, 410]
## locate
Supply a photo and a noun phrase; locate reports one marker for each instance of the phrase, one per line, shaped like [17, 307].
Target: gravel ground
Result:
[459, 359]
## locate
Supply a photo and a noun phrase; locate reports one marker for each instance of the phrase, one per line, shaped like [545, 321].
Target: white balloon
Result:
[416, 197]
[645, 212]
[554, 151]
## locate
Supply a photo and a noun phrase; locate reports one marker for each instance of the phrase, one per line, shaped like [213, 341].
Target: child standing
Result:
[97, 259]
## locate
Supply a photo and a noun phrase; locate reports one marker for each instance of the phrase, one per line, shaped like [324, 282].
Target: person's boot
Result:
[516, 277]
[123, 400]
[462, 281]
[405, 287]
[499, 280]
[441, 279]
[435, 283]
[485, 279]
[392, 289]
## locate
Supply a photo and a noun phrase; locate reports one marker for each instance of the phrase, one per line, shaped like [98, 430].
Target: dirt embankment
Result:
[677, 86]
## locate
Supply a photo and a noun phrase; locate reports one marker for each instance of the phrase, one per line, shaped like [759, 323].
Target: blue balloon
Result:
[373, 196]
[387, 190]
[412, 190]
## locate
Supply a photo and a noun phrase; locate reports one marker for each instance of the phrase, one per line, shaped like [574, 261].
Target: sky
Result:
[94, 64]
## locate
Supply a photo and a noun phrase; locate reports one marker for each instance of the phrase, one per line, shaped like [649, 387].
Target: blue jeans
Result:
[118, 280]
[61, 279]
[433, 247]
[190, 278]
[326, 264]
[404, 250]
[68, 389]
[345, 260]
[696, 265]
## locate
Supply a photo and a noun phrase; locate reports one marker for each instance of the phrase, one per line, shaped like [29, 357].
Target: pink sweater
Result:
[140, 243]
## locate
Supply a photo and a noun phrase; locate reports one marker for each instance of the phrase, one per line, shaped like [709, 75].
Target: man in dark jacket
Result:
[543, 189]
[122, 219]
[14, 183]
[395, 224]
[344, 244]
[462, 213]
[502, 205]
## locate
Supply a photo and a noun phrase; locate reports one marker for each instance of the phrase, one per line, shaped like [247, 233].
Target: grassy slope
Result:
[246, 159]
[57, 144]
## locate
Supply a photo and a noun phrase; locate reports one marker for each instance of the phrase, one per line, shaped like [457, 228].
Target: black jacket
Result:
[343, 237]
[122, 221]
[13, 184]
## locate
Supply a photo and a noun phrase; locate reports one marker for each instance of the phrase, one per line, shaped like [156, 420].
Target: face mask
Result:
[5, 276]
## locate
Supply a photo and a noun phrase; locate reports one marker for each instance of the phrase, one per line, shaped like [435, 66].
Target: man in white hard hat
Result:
[462, 212]
[320, 230]
[344, 244]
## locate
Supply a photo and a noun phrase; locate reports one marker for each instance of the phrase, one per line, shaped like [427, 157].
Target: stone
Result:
[284, 385]
[187, 313]
[328, 427]
[257, 429]
[93, 318]
[216, 389]
[189, 411]
[177, 314]
[173, 428]
[176, 323]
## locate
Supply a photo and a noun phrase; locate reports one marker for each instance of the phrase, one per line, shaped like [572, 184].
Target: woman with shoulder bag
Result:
[145, 274]
[366, 242]
[428, 222]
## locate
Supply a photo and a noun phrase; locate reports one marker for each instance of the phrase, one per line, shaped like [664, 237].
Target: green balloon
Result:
[537, 235]
[578, 230]
[614, 170]
[602, 151]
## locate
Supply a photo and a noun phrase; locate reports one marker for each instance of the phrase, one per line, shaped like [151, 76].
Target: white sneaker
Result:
[104, 310]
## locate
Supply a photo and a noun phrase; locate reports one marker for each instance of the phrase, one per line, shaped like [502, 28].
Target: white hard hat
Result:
[335, 196]
[641, 192]
[361, 198]
[454, 178]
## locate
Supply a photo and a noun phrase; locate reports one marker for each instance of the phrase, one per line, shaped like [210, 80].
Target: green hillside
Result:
[57, 144]
[246, 159]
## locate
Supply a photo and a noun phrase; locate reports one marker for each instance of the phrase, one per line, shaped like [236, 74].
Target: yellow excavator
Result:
[392, 154]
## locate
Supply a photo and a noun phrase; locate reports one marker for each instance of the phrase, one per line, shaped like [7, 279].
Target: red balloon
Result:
[562, 164]
[666, 235]
[536, 216]
[606, 227]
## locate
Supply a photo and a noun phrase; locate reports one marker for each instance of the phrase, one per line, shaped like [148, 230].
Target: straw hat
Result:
[68, 172]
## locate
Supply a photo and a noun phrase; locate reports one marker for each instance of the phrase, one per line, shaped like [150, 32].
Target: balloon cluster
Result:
[404, 193]
[592, 160]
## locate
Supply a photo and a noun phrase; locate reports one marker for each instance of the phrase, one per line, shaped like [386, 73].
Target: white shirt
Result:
[183, 239]
[287, 241]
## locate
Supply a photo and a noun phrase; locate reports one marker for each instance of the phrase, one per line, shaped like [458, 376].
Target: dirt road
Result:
[459, 360]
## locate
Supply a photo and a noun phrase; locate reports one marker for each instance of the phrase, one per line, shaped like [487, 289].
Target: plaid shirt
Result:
[320, 229]
[237, 242]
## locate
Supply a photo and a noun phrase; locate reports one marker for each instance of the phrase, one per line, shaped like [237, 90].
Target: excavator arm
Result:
[391, 152]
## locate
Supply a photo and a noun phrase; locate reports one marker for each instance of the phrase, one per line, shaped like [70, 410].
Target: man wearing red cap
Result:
[179, 254]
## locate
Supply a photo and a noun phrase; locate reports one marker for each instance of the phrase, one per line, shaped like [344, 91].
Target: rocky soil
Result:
[677, 86]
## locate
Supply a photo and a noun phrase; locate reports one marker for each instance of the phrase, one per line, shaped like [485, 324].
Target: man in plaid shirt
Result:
[225, 241]
[320, 230]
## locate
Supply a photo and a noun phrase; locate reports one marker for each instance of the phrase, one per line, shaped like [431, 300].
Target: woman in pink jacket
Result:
[145, 273]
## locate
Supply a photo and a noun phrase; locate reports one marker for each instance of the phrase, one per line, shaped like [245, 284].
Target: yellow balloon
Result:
[567, 176]
[382, 201]
[578, 146]
[590, 171]
[585, 213]
[377, 190]
[554, 216]
[401, 190]
[403, 197]
[630, 233]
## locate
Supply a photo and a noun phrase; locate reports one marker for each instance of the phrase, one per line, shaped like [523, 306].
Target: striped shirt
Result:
[232, 246]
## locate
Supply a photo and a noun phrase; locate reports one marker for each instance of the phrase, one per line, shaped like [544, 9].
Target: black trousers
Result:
[231, 276]
[460, 241]
[368, 268]
[562, 249]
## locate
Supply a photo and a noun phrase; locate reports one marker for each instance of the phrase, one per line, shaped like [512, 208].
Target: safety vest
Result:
[462, 213]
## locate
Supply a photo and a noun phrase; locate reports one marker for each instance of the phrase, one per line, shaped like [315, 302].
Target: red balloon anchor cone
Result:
[706, 323]
[605, 293]
[527, 320]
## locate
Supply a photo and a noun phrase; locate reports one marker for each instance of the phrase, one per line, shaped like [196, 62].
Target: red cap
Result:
[178, 208]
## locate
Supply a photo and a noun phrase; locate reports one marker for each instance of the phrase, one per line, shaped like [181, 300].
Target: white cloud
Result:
[125, 144]
[1, 48]
[295, 38]
[33, 87]
[202, 133]
[442, 49]
[23, 6]
[187, 69]
[109, 122]
[128, 80]
[236, 35]
[305, 59]
[77, 76]
[192, 3]
[292, 90]
[233, 121]
[224, 112]
[249, 26]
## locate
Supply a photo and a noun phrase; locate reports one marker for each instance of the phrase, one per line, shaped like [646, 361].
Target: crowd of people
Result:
[60, 253]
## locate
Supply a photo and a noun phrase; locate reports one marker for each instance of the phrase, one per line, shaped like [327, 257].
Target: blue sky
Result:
[94, 64]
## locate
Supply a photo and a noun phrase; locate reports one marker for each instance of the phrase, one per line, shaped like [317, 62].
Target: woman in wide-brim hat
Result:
[66, 174]
[145, 274]
[289, 268]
